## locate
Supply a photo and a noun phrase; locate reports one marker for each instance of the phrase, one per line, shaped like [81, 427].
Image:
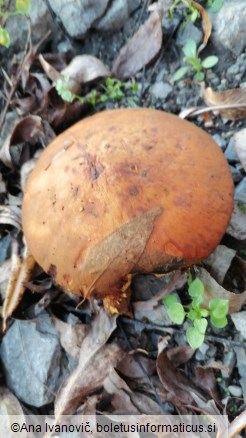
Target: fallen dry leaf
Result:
[180, 354]
[24, 130]
[133, 368]
[230, 103]
[125, 401]
[206, 25]
[20, 273]
[96, 361]
[82, 69]
[141, 49]
[9, 405]
[206, 380]
[240, 146]
[214, 290]
[50, 71]
[237, 425]
[178, 385]
[120, 394]
[71, 336]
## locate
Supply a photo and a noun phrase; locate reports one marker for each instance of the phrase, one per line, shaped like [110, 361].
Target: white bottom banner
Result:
[110, 426]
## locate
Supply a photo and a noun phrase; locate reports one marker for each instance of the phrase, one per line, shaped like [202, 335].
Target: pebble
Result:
[233, 69]
[236, 174]
[229, 26]
[240, 191]
[33, 360]
[230, 152]
[189, 31]
[236, 391]
[220, 141]
[160, 90]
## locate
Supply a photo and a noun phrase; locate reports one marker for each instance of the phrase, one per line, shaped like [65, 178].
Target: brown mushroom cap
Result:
[126, 190]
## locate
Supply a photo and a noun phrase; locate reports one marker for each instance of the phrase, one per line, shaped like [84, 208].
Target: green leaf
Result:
[194, 337]
[218, 307]
[217, 5]
[210, 61]
[195, 63]
[196, 301]
[201, 325]
[23, 6]
[180, 73]
[4, 37]
[194, 15]
[189, 279]
[219, 322]
[199, 76]
[176, 313]
[193, 314]
[169, 300]
[103, 98]
[189, 48]
[62, 91]
[196, 288]
[204, 312]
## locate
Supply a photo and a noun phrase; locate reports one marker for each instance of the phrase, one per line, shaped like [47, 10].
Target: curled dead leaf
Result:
[206, 379]
[20, 272]
[71, 336]
[24, 130]
[50, 71]
[177, 384]
[82, 69]
[214, 290]
[232, 102]
[96, 361]
[206, 25]
[141, 49]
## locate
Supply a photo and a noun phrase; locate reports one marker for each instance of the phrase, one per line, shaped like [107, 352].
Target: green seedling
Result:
[191, 13]
[196, 313]
[195, 63]
[21, 7]
[113, 90]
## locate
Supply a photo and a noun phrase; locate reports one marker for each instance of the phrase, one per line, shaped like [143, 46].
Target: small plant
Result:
[113, 89]
[21, 7]
[217, 311]
[195, 64]
[191, 11]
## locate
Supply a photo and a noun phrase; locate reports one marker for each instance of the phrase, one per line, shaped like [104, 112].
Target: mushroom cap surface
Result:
[125, 190]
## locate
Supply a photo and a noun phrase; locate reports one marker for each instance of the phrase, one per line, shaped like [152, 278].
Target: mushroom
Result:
[125, 191]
